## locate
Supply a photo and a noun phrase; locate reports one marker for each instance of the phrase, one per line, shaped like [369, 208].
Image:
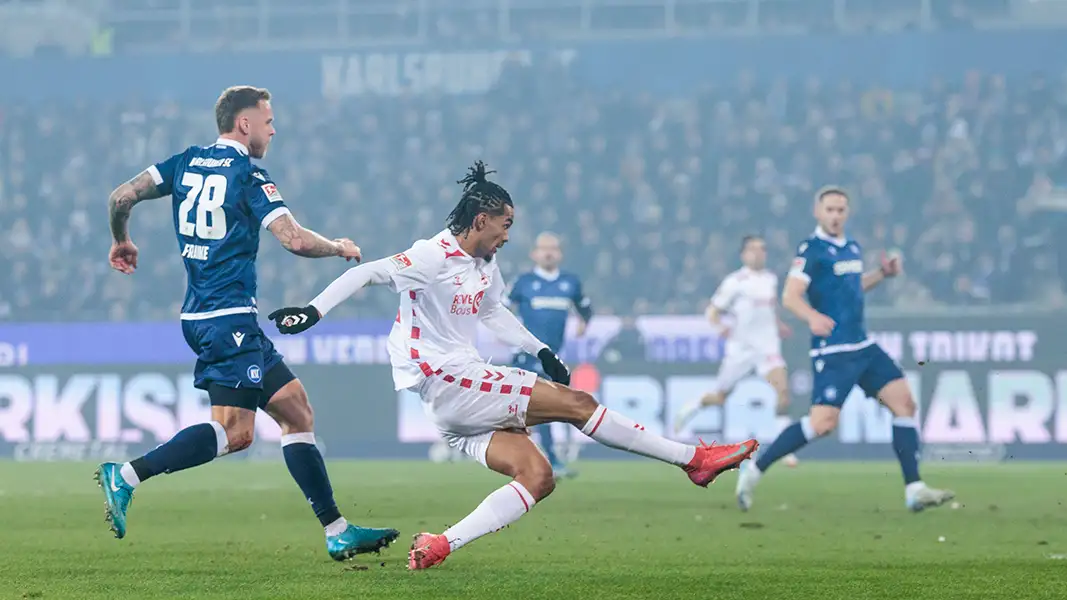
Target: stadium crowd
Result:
[651, 195]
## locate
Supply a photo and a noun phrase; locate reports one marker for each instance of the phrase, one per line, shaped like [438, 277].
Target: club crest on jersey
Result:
[254, 374]
[271, 191]
[400, 260]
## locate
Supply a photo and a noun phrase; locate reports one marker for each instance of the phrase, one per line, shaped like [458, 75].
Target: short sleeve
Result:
[163, 173]
[265, 202]
[723, 298]
[804, 264]
[416, 267]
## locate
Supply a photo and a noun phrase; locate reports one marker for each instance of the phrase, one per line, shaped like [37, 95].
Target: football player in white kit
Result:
[754, 343]
[447, 284]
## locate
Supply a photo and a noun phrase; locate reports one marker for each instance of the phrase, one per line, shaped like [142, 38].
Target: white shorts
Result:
[741, 359]
[470, 402]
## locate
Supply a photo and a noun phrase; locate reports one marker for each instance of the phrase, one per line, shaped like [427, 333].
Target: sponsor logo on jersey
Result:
[271, 191]
[400, 260]
[210, 163]
[798, 264]
[848, 267]
[467, 304]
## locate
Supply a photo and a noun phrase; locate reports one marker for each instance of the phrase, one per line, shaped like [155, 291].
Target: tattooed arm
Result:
[307, 243]
[123, 199]
[123, 254]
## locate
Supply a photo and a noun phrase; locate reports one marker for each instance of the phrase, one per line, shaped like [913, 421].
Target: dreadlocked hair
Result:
[479, 196]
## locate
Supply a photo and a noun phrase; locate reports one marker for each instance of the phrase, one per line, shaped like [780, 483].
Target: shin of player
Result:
[749, 295]
[447, 286]
[221, 200]
[826, 288]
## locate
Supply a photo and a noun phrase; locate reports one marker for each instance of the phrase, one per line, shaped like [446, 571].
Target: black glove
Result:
[554, 367]
[293, 319]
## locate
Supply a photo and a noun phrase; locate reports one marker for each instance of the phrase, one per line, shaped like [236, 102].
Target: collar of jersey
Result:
[452, 239]
[232, 144]
[840, 242]
[547, 276]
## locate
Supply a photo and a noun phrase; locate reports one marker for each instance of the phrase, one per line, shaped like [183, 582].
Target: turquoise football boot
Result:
[359, 540]
[118, 495]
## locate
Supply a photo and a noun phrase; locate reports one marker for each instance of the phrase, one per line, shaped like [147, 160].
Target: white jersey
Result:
[751, 298]
[444, 294]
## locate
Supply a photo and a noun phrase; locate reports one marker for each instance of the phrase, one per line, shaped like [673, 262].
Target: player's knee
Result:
[904, 407]
[537, 478]
[580, 407]
[823, 423]
[292, 411]
[239, 436]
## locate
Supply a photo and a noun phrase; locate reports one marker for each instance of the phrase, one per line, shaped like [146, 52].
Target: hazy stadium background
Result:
[650, 134]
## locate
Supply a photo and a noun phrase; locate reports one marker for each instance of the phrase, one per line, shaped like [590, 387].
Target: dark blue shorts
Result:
[231, 351]
[836, 374]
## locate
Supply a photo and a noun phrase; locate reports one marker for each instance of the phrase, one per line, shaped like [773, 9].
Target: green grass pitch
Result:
[241, 530]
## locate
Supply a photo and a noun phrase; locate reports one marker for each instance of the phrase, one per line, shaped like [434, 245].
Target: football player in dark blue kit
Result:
[543, 298]
[825, 288]
[220, 199]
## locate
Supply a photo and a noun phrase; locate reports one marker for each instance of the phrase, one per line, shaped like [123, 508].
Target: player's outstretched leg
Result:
[229, 431]
[551, 402]
[510, 453]
[819, 422]
[290, 408]
[896, 395]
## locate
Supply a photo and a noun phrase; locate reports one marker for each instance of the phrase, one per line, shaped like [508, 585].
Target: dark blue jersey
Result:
[543, 302]
[220, 200]
[833, 268]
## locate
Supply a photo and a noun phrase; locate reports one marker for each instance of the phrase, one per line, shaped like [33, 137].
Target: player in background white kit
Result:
[754, 343]
[448, 284]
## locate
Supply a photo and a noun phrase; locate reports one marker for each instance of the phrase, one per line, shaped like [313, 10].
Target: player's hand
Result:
[821, 325]
[123, 257]
[892, 264]
[554, 367]
[348, 250]
[293, 319]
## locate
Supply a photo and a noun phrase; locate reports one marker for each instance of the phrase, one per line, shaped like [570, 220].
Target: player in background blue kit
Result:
[543, 299]
[220, 199]
[825, 288]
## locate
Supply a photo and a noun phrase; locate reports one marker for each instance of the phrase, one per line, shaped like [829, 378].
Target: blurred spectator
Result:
[650, 194]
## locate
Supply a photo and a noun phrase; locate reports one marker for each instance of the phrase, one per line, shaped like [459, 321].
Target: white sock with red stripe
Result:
[499, 509]
[617, 431]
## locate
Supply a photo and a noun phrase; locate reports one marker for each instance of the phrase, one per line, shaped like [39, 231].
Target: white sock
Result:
[499, 509]
[129, 475]
[337, 527]
[913, 487]
[616, 431]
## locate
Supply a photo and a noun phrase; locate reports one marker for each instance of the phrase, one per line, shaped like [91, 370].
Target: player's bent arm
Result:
[872, 278]
[379, 272]
[300, 240]
[793, 298]
[509, 329]
[124, 198]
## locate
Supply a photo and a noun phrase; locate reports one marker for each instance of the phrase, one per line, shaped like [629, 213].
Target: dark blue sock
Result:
[548, 444]
[906, 445]
[190, 447]
[792, 438]
[308, 469]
